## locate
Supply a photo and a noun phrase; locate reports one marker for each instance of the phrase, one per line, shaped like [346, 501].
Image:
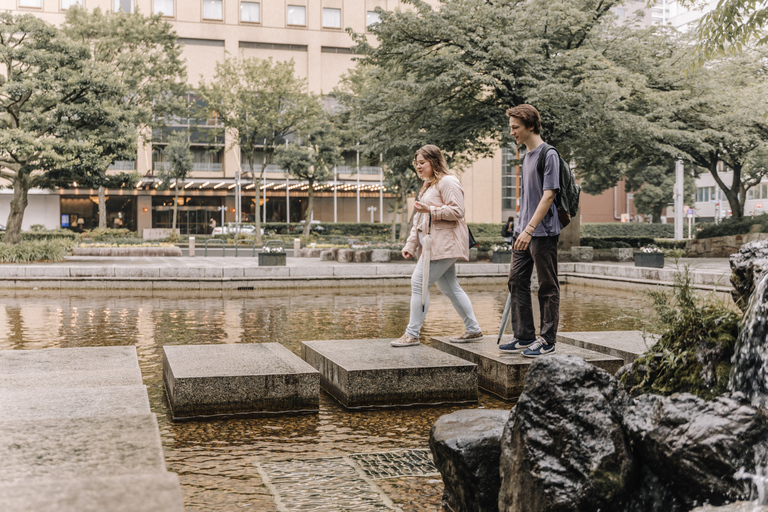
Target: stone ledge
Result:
[627, 345]
[69, 359]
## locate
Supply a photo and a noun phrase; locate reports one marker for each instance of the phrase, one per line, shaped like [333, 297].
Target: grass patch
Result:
[32, 251]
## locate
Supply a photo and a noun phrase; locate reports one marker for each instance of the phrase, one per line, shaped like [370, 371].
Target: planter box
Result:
[649, 259]
[502, 257]
[271, 259]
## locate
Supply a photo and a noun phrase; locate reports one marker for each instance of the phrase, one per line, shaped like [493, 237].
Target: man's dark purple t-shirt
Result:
[532, 190]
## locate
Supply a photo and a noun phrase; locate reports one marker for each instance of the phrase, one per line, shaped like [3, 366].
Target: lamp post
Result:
[372, 209]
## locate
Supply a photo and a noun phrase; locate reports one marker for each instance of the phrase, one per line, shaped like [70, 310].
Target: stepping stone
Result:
[131, 493]
[369, 373]
[60, 448]
[81, 359]
[504, 374]
[241, 379]
[627, 345]
[35, 403]
[73, 379]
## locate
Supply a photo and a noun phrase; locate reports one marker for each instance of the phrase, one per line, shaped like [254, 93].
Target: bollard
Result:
[297, 248]
[192, 246]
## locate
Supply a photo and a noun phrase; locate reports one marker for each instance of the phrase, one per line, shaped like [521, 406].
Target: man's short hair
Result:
[528, 115]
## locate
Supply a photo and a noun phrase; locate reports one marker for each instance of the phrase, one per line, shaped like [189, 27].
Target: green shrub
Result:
[109, 234]
[627, 229]
[733, 226]
[693, 355]
[53, 234]
[610, 242]
[28, 251]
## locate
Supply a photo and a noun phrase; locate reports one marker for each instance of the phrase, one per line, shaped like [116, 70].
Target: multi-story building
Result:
[311, 34]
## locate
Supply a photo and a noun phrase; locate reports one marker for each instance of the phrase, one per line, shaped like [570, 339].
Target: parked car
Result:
[316, 227]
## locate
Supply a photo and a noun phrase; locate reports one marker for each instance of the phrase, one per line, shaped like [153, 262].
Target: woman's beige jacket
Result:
[450, 238]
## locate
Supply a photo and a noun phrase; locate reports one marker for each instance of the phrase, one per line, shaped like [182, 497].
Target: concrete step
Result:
[371, 372]
[504, 374]
[225, 380]
[46, 402]
[627, 345]
[130, 493]
[81, 359]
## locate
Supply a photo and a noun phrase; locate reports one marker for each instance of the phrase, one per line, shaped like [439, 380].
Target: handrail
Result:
[253, 244]
[223, 245]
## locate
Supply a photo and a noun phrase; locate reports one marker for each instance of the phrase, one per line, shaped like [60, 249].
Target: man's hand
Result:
[522, 241]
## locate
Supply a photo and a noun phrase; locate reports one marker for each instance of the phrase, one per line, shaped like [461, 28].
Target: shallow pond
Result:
[217, 461]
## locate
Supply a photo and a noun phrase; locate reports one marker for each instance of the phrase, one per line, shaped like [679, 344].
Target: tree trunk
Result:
[308, 211]
[18, 205]
[175, 208]
[395, 211]
[257, 188]
[102, 208]
[656, 212]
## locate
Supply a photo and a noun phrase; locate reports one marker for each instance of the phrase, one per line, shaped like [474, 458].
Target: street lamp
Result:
[372, 209]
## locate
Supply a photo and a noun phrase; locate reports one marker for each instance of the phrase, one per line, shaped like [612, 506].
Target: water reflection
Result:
[214, 459]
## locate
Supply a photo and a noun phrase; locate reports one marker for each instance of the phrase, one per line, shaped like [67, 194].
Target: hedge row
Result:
[627, 229]
[733, 226]
[57, 234]
[610, 242]
[28, 251]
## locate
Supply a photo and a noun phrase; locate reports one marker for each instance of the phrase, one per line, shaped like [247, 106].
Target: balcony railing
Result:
[196, 166]
[351, 169]
[123, 165]
[273, 168]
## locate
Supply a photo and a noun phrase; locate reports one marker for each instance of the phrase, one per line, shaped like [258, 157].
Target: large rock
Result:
[380, 255]
[696, 447]
[564, 448]
[747, 267]
[466, 446]
[346, 255]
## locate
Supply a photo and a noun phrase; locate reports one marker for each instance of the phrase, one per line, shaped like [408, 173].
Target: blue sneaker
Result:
[539, 348]
[516, 346]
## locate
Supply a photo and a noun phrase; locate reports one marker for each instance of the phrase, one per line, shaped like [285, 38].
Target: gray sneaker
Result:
[467, 337]
[404, 341]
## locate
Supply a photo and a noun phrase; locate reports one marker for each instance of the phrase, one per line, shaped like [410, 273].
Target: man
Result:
[535, 240]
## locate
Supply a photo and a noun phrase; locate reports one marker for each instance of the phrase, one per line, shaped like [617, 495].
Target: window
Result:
[213, 10]
[508, 179]
[123, 5]
[164, 7]
[30, 3]
[764, 190]
[249, 12]
[620, 12]
[332, 18]
[66, 4]
[297, 15]
[372, 18]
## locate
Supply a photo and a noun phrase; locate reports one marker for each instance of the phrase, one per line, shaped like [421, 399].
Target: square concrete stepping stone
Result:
[504, 374]
[369, 373]
[628, 345]
[55, 448]
[36, 403]
[74, 379]
[253, 378]
[131, 493]
[80, 359]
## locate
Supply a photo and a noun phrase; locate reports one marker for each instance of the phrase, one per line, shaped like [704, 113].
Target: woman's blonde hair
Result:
[434, 156]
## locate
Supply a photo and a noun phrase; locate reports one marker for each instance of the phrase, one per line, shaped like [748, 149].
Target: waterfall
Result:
[749, 373]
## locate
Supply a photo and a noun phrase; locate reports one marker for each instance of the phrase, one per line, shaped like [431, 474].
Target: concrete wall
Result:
[43, 208]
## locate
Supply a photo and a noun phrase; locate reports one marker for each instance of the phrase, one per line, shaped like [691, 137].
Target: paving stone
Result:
[74, 379]
[51, 360]
[627, 345]
[79, 447]
[210, 380]
[266, 271]
[130, 493]
[46, 271]
[396, 464]
[354, 270]
[366, 373]
[325, 271]
[103, 271]
[34, 403]
[395, 270]
[504, 374]
[137, 272]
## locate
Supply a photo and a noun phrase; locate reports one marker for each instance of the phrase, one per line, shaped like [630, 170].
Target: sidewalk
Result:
[244, 273]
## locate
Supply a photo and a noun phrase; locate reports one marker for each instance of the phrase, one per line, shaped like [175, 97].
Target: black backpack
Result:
[567, 198]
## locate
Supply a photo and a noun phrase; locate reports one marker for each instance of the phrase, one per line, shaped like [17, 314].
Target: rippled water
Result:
[215, 459]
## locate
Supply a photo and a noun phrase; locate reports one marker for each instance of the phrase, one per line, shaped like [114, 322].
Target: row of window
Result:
[250, 12]
[758, 192]
[709, 194]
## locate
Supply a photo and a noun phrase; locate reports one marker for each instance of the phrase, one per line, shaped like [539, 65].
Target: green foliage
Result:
[733, 226]
[609, 242]
[29, 251]
[633, 229]
[53, 234]
[111, 235]
[693, 355]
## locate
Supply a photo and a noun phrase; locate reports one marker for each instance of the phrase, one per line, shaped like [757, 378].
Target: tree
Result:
[143, 53]
[178, 165]
[654, 184]
[261, 103]
[58, 110]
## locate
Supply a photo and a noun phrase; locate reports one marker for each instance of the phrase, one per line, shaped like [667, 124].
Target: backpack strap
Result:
[542, 160]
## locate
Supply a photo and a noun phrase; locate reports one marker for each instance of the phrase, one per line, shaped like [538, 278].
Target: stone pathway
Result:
[345, 483]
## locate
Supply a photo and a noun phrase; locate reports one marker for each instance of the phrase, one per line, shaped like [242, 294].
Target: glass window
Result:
[249, 12]
[372, 18]
[297, 15]
[213, 10]
[764, 190]
[164, 7]
[332, 18]
[66, 4]
[123, 5]
[508, 179]
[30, 3]
[620, 12]
[751, 194]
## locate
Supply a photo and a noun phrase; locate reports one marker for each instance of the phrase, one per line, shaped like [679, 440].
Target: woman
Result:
[440, 212]
[508, 231]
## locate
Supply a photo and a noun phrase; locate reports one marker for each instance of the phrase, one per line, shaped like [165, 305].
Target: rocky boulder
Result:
[466, 446]
[564, 448]
[695, 447]
[747, 267]
[346, 255]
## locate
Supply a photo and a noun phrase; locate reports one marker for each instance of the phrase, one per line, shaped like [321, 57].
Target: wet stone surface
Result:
[396, 464]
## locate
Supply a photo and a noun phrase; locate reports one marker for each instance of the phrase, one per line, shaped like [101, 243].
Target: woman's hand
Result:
[407, 255]
[421, 208]
[522, 241]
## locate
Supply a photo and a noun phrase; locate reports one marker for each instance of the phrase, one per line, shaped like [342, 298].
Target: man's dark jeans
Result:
[541, 252]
